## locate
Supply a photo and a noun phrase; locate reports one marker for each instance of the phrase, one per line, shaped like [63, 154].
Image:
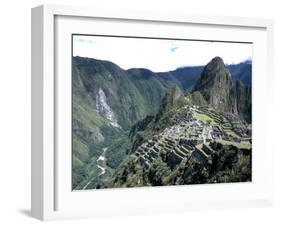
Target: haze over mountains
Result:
[111, 106]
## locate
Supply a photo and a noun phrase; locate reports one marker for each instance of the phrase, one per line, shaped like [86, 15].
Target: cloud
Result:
[158, 55]
[84, 39]
[173, 49]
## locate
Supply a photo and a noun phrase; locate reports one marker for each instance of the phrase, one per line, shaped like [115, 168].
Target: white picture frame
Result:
[52, 197]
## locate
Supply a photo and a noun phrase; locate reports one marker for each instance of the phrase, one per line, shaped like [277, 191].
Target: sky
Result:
[158, 55]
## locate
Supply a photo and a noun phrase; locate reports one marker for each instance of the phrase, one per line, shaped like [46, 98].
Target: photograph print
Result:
[160, 112]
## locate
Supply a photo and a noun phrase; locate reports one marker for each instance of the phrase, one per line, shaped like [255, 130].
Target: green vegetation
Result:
[196, 98]
[242, 144]
[231, 133]
[117, 151]
[85, 173]
[205, 118]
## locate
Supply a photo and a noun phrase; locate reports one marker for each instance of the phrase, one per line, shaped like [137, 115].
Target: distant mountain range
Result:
[112, 105]
[187, 76]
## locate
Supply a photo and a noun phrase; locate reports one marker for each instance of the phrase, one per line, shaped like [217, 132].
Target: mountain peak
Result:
[216, 64]
[217, 60]
[215, 84]
[214, 72]
[171, 98]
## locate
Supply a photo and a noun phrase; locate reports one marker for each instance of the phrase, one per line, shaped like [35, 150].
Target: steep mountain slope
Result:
[223, 92]
[215, 84]
[149, 86]
[87, 126]
[106, 81]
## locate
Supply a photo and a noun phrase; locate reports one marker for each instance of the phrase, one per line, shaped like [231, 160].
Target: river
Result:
[101, 164]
